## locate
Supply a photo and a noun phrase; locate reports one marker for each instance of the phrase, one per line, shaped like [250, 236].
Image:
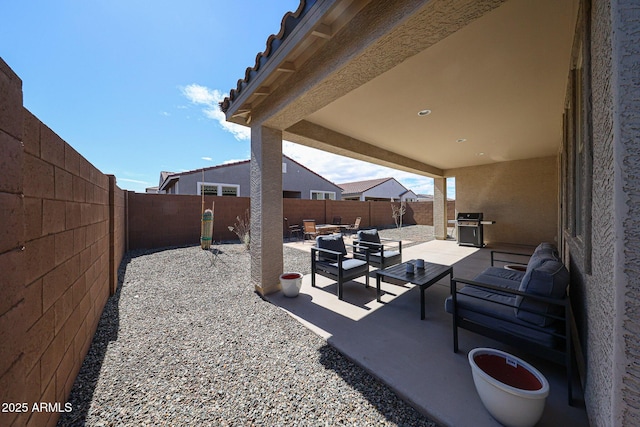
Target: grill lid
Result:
[469, 216]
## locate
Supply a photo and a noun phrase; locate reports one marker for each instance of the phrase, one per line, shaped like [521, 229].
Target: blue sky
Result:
[133, 85]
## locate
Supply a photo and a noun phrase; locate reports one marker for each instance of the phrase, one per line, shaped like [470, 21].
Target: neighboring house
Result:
[233, 179]
[152, 190]
[426, 198]
[377, 189]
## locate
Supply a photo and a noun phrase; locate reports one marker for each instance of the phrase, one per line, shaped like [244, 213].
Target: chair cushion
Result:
[351, 268]
[389, 258]
[549, 279]
[369, 239]
[386, 254]
[369, 236]
[332, 243]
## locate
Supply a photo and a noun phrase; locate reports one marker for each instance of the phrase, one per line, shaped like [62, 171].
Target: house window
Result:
[576, 156]
[209, 190]
[215, 189]
[323, 195]
[229, 190]
[579, 151]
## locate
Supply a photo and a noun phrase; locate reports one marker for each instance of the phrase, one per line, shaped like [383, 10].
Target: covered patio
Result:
[523, 102]
[415, 357]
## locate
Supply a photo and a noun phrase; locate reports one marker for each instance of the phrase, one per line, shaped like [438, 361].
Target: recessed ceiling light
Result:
[424, 112]
[459, 140]
[480, 154]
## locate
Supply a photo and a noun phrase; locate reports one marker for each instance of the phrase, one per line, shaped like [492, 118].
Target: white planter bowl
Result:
[513, 391]
[290, 282]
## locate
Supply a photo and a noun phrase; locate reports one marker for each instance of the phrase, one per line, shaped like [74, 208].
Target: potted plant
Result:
[513, 391]
[290, 282]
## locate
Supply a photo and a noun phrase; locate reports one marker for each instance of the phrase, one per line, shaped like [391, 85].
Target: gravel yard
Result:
[186, 341]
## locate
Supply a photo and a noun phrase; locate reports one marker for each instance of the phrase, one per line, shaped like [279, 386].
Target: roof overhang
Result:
[351, 77]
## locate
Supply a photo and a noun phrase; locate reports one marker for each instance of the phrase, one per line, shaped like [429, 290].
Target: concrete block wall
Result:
[54, 258]
[160, 220]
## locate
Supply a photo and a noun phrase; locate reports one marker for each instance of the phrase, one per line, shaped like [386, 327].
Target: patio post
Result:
[440, 208]
[266, 209]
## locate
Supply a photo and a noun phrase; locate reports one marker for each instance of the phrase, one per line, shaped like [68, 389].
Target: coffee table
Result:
[423, 277]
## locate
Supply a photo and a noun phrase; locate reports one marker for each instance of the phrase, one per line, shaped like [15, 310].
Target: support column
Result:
[266, 209]
[440, 208]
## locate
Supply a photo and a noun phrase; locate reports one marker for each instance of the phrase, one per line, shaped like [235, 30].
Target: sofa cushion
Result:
[512, 278]
[332, 243]
[500, 277]
[544, 252]
[549, 279]
[498, 317]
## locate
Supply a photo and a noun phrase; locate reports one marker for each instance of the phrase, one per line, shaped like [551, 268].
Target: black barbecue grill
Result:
[470, 232]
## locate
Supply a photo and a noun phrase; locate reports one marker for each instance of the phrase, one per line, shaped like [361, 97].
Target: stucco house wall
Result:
[295, 179]
[233, 174]
[610, 292]
[390, 189]
[298, 178]
[520, 196]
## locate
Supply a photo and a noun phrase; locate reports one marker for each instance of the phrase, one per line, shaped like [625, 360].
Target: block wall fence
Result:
[65, 230]
[61, 242]
[161, 220]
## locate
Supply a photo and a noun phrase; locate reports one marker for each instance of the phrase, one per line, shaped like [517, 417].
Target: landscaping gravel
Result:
[186, 341]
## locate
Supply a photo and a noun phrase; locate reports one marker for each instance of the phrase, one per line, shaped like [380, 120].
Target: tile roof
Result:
[289, 21]
[361, 186]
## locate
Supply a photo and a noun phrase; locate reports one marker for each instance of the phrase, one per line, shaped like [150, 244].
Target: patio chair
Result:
[309, 228]
[353, 228]
[382, 252]
[292, 230]
[337, 220]
[329, 259]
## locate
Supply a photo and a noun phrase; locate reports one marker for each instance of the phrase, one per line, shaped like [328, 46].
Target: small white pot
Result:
[513, 391]
[290, 283]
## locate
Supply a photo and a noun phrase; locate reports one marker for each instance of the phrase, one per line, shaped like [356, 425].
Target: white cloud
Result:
[226, 162]
[340, 169]
[133, 181]
[209, 159]
[209, 99]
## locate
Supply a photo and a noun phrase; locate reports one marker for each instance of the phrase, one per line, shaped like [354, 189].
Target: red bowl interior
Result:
[497, 367]
[291, 276]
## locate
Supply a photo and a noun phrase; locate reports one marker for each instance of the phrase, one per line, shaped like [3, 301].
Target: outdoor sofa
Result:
[528, 310]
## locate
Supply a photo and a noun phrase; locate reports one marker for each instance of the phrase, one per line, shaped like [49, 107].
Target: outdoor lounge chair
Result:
[292, 230]
[353, 228]
[329, 259]
[309, 228]
[382, 252]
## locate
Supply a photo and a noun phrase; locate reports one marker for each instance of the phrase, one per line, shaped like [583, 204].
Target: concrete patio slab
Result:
[416, 357]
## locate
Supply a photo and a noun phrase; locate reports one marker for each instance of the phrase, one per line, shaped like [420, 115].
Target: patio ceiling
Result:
[492, 73]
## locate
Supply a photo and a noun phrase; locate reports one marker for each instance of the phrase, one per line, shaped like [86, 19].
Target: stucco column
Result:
[440, 208]
[266, 209]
